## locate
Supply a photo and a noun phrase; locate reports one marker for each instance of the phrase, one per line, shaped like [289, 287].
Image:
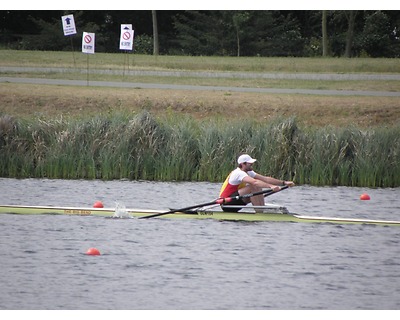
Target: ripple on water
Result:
[190, 264]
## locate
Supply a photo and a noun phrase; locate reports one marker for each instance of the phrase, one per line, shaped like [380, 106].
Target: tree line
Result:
[214, 32]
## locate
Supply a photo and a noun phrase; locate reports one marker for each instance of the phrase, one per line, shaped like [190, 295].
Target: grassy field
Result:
[55, 101]
[148, 62]
[245, 64]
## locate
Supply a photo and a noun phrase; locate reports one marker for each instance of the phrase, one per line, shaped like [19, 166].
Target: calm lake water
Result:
[183, 264]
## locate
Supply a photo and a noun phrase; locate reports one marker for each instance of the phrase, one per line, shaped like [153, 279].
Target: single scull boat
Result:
[272, 213]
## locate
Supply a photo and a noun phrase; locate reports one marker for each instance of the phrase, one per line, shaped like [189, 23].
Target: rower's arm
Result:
[261, 183]
[273, 181]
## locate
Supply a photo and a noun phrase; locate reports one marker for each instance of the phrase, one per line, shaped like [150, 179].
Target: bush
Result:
[143, 44]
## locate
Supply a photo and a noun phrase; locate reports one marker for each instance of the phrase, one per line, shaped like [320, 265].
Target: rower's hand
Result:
[275, 188]
[288, 183]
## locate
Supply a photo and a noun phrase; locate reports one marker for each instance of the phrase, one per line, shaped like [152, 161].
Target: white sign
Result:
[68, 23]
[88, 42]
[126, 40]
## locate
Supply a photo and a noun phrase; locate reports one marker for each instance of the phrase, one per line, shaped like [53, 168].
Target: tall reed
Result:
[179, 148]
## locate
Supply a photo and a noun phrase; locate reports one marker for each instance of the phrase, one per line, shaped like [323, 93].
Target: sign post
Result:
[68, 23]
[126, 41]
[69, 28]
[88, 42]
[88, 48]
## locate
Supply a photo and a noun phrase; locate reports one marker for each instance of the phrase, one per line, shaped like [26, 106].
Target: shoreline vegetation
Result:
[141, 147]
[175, 135]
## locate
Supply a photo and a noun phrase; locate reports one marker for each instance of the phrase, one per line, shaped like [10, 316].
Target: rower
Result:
[244, 180]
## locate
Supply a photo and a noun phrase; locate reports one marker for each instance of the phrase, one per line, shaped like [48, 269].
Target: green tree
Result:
[239, 20]
[225, 32]
[156, 50]
[351, 20]
[201, 33]
[275, 34]
[375, 38]
[325, 40]
[49, 37]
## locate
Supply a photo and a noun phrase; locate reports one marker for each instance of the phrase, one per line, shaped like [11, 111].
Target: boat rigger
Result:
[272, 213]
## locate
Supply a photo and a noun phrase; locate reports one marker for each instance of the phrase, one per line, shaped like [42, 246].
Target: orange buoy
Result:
[365, 196]
[98, 204]
[93, 252]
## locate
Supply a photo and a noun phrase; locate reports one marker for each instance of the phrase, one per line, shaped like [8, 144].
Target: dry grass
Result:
[24, 100]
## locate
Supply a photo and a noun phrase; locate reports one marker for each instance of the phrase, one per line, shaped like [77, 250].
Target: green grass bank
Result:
[179, 148]
[132, 61]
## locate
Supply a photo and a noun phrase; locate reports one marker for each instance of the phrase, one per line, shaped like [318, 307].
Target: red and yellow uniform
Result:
[234, 182]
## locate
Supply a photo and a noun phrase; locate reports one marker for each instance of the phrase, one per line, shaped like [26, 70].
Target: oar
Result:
[266, 193]
[217, 201]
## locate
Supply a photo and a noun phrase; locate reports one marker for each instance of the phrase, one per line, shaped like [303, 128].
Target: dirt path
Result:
[216, 74]
[196, 88]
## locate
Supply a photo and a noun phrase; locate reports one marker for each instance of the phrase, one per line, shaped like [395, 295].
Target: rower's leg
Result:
[256, 200]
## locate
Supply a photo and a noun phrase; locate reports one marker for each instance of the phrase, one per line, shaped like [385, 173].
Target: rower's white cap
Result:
[246, 158]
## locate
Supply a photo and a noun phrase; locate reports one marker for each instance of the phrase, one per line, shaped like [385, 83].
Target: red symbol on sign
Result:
[126, 35]
[88, 39]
